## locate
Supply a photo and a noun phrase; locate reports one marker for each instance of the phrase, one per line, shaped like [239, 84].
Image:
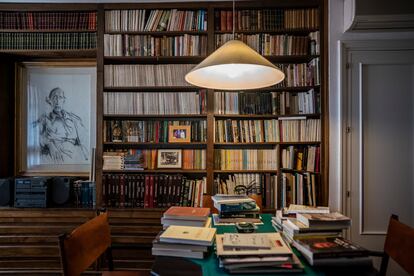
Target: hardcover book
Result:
[324, 220]
[187, 213]
[188, 235]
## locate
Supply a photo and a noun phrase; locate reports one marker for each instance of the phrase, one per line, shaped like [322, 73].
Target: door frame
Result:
[345, 49]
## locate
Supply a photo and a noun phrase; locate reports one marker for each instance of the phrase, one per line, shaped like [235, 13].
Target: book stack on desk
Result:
[307, 225]
[255, 253]
[183, 241]
[332, 251]
[235, 208]
[186, 216]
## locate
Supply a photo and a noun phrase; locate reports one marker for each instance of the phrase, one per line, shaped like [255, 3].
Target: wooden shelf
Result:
[283, 89]
[245, 171]
[47, 31]
[153, 60]
[297, 171]
[291, 58]
[153, 89]
[278, 31]
[155, 117]
[70, 53]
[175, 171]
[300, 143]
[263, 116]
[158, 33]
[156, 145]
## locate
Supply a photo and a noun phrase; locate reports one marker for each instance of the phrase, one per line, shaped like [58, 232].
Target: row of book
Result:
[302, 74]
[271, 45]
[299, 188]
[146, 45]
[266, 19]
[84, 194]
[47, 20]
[151, 190]
[246, 131]
[300, 130]
[47, 41]
[156, 20]
[151, 131]
[132, 75]
[137, 159]
[257, 131]
[274, 103]
[155, 103]
[301, 158]
[245, 159]
[239, 183]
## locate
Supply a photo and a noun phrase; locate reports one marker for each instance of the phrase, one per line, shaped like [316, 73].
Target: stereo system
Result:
[37, 192]
[6, 192]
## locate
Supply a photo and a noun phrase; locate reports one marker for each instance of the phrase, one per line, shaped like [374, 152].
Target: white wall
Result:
[336, 34]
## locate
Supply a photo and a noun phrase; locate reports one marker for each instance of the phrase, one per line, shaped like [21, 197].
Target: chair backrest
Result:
[81, 248]
[399, 244]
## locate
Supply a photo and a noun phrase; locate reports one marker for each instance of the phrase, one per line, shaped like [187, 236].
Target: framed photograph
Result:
[169, 158]
[56, 117]
[179, 134]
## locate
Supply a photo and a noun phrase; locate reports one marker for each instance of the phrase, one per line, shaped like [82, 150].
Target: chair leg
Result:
[110, 259]
[384, 265]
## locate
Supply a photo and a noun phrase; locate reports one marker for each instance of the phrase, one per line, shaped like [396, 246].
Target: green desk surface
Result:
[210, 263]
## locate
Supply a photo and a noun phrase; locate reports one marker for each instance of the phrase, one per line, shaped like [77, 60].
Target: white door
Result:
[379, 143]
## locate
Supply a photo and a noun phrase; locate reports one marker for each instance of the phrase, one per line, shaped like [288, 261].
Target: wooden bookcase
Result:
[131, 225]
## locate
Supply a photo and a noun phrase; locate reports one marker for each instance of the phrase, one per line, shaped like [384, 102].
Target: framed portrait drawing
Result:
[179, 134]
[169, 158]
[56, 117]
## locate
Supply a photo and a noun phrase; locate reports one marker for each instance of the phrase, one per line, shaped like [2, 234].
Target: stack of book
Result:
[255, 253]
[186, 216]
[183, 241]
[332, 251]
[235, 208]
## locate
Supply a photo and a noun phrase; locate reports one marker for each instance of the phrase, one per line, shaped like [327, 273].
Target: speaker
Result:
[61, 190]
[5, 192]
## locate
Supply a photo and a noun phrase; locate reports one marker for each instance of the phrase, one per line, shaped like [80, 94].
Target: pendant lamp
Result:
[235, 66]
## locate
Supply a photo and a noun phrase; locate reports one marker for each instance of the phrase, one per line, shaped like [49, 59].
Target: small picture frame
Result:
[169, 159]
[179, 134]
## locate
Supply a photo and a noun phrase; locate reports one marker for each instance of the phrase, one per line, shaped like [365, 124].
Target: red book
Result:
[147, 192]
[122, 191]
[229, 19]
[151, 192]
[223, 21]
[187, 213]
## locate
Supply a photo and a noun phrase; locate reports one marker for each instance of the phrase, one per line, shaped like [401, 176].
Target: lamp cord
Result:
[234, 15]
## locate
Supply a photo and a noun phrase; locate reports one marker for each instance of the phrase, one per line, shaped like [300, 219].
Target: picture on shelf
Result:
[56, 123]
[169, 158]
[179, 134]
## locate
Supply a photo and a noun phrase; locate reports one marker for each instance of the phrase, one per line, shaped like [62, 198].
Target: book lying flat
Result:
[243, 241]
[278, 247]
[188, 235]
[187, 213]
[328, 247]
[182, 222]
[178, 253]
[324, 220]
[295, 209]
[229, 199]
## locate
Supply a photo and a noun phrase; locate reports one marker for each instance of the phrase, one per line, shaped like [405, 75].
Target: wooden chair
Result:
[81, 248]
[399, 245]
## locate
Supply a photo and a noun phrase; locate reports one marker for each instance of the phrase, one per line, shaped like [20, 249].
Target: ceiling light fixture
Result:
[235, 66]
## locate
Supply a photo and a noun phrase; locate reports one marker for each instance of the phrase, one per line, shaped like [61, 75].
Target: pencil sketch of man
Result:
[60, 131]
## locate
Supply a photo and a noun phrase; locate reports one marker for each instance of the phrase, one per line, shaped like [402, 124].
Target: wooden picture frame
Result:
[179, 134]
[55, 117]
[169, 159]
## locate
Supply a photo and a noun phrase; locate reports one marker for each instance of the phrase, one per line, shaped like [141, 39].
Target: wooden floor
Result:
[29, 238]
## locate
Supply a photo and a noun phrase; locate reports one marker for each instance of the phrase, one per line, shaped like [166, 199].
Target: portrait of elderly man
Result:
[60, 130]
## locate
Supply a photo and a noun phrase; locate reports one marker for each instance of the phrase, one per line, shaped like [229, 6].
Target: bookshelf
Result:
[294, 44]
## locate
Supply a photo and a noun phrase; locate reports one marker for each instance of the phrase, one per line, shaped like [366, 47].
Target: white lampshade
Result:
[235, 66]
